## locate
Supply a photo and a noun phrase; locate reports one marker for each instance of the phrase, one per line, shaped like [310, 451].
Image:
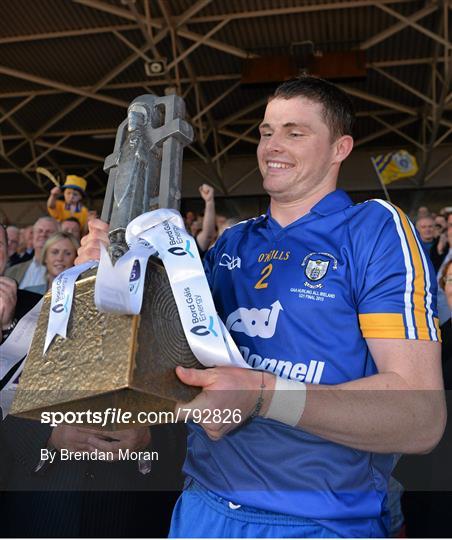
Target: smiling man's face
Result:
[43, 229]
[295, 152]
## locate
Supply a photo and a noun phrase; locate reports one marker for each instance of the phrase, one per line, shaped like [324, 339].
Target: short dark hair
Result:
[73, 219]
[338, 110]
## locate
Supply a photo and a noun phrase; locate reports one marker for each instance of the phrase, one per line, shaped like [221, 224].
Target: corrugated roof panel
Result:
[71, 61]
[44, 108]
[87, 59]
[22, 17]
[11, 84]
[91, 114]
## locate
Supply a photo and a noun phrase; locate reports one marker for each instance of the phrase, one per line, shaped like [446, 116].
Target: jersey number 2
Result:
[261, 284]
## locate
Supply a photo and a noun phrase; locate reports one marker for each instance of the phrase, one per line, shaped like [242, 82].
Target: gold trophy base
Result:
[109, 361]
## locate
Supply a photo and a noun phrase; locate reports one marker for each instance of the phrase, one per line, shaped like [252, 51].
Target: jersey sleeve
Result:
[397, 289]
[208, 262]
[55, 212]
[82, 216]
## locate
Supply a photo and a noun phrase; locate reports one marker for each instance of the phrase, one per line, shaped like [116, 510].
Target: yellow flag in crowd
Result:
[395, 166]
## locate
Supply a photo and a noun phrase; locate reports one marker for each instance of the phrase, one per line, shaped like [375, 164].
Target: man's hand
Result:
[55, 192]
[73, 438]
[442, 243]
[225, 389]
[125, 439]
[8, 300]
[77, 439]
[90, 248]
[92, 214]
[206, 192]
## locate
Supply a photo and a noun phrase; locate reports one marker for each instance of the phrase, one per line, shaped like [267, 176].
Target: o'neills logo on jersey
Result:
[274, 255]
[299, 371]
[255, 322]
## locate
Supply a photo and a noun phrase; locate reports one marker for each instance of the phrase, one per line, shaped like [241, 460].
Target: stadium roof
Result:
[69, 68]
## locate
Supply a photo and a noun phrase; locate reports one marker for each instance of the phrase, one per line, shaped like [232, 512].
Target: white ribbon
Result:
[61, 303]
[206, 335]
[119, 288]
[14, 348]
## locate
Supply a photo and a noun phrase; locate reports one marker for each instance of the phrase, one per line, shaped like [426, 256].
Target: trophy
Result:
[111, 361]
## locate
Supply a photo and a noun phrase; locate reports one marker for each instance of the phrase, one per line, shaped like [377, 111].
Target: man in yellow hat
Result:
[74, 190]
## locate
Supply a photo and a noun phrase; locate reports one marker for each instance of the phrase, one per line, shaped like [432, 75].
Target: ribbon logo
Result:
[208, 339]
[136, 272]
[135, 275]
[152, 234]
[180, 252]
[14, 349]
[61, 302]
[58, 308]
[201, 330]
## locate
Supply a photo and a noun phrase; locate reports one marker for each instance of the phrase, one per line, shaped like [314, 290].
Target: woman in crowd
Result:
[445, 282]
[58, 254]
[427, 505]
[79, 498]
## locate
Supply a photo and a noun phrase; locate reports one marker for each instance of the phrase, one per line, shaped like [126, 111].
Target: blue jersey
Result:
[300, 302]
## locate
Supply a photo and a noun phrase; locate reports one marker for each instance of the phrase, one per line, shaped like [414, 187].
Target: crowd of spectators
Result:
[33, 256]
[62, 499]
[31, 250]
[36, 252]
[29, 255]
[435, 232]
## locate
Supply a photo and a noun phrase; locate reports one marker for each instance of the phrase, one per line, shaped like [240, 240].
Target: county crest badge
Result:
[316, 266]
[316, 269]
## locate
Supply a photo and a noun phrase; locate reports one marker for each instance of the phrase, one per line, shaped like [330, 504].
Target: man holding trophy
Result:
[333, 306]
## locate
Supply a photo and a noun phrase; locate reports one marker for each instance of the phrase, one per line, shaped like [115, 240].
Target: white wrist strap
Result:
[288, 402]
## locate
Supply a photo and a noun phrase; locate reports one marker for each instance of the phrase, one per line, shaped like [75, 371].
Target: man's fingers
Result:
[205, 191]
[9, 287]
[90, 244]
[89, 250]
[105, 446]
[94, 238]
[90, 254]
[6, 290]
[97, 225]
[8, 282]
[8, 300]
[196, 377]
[121, 434]
[129, 441]
[194, 409]
[7, 296]
[71, 438]
[91, 431]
